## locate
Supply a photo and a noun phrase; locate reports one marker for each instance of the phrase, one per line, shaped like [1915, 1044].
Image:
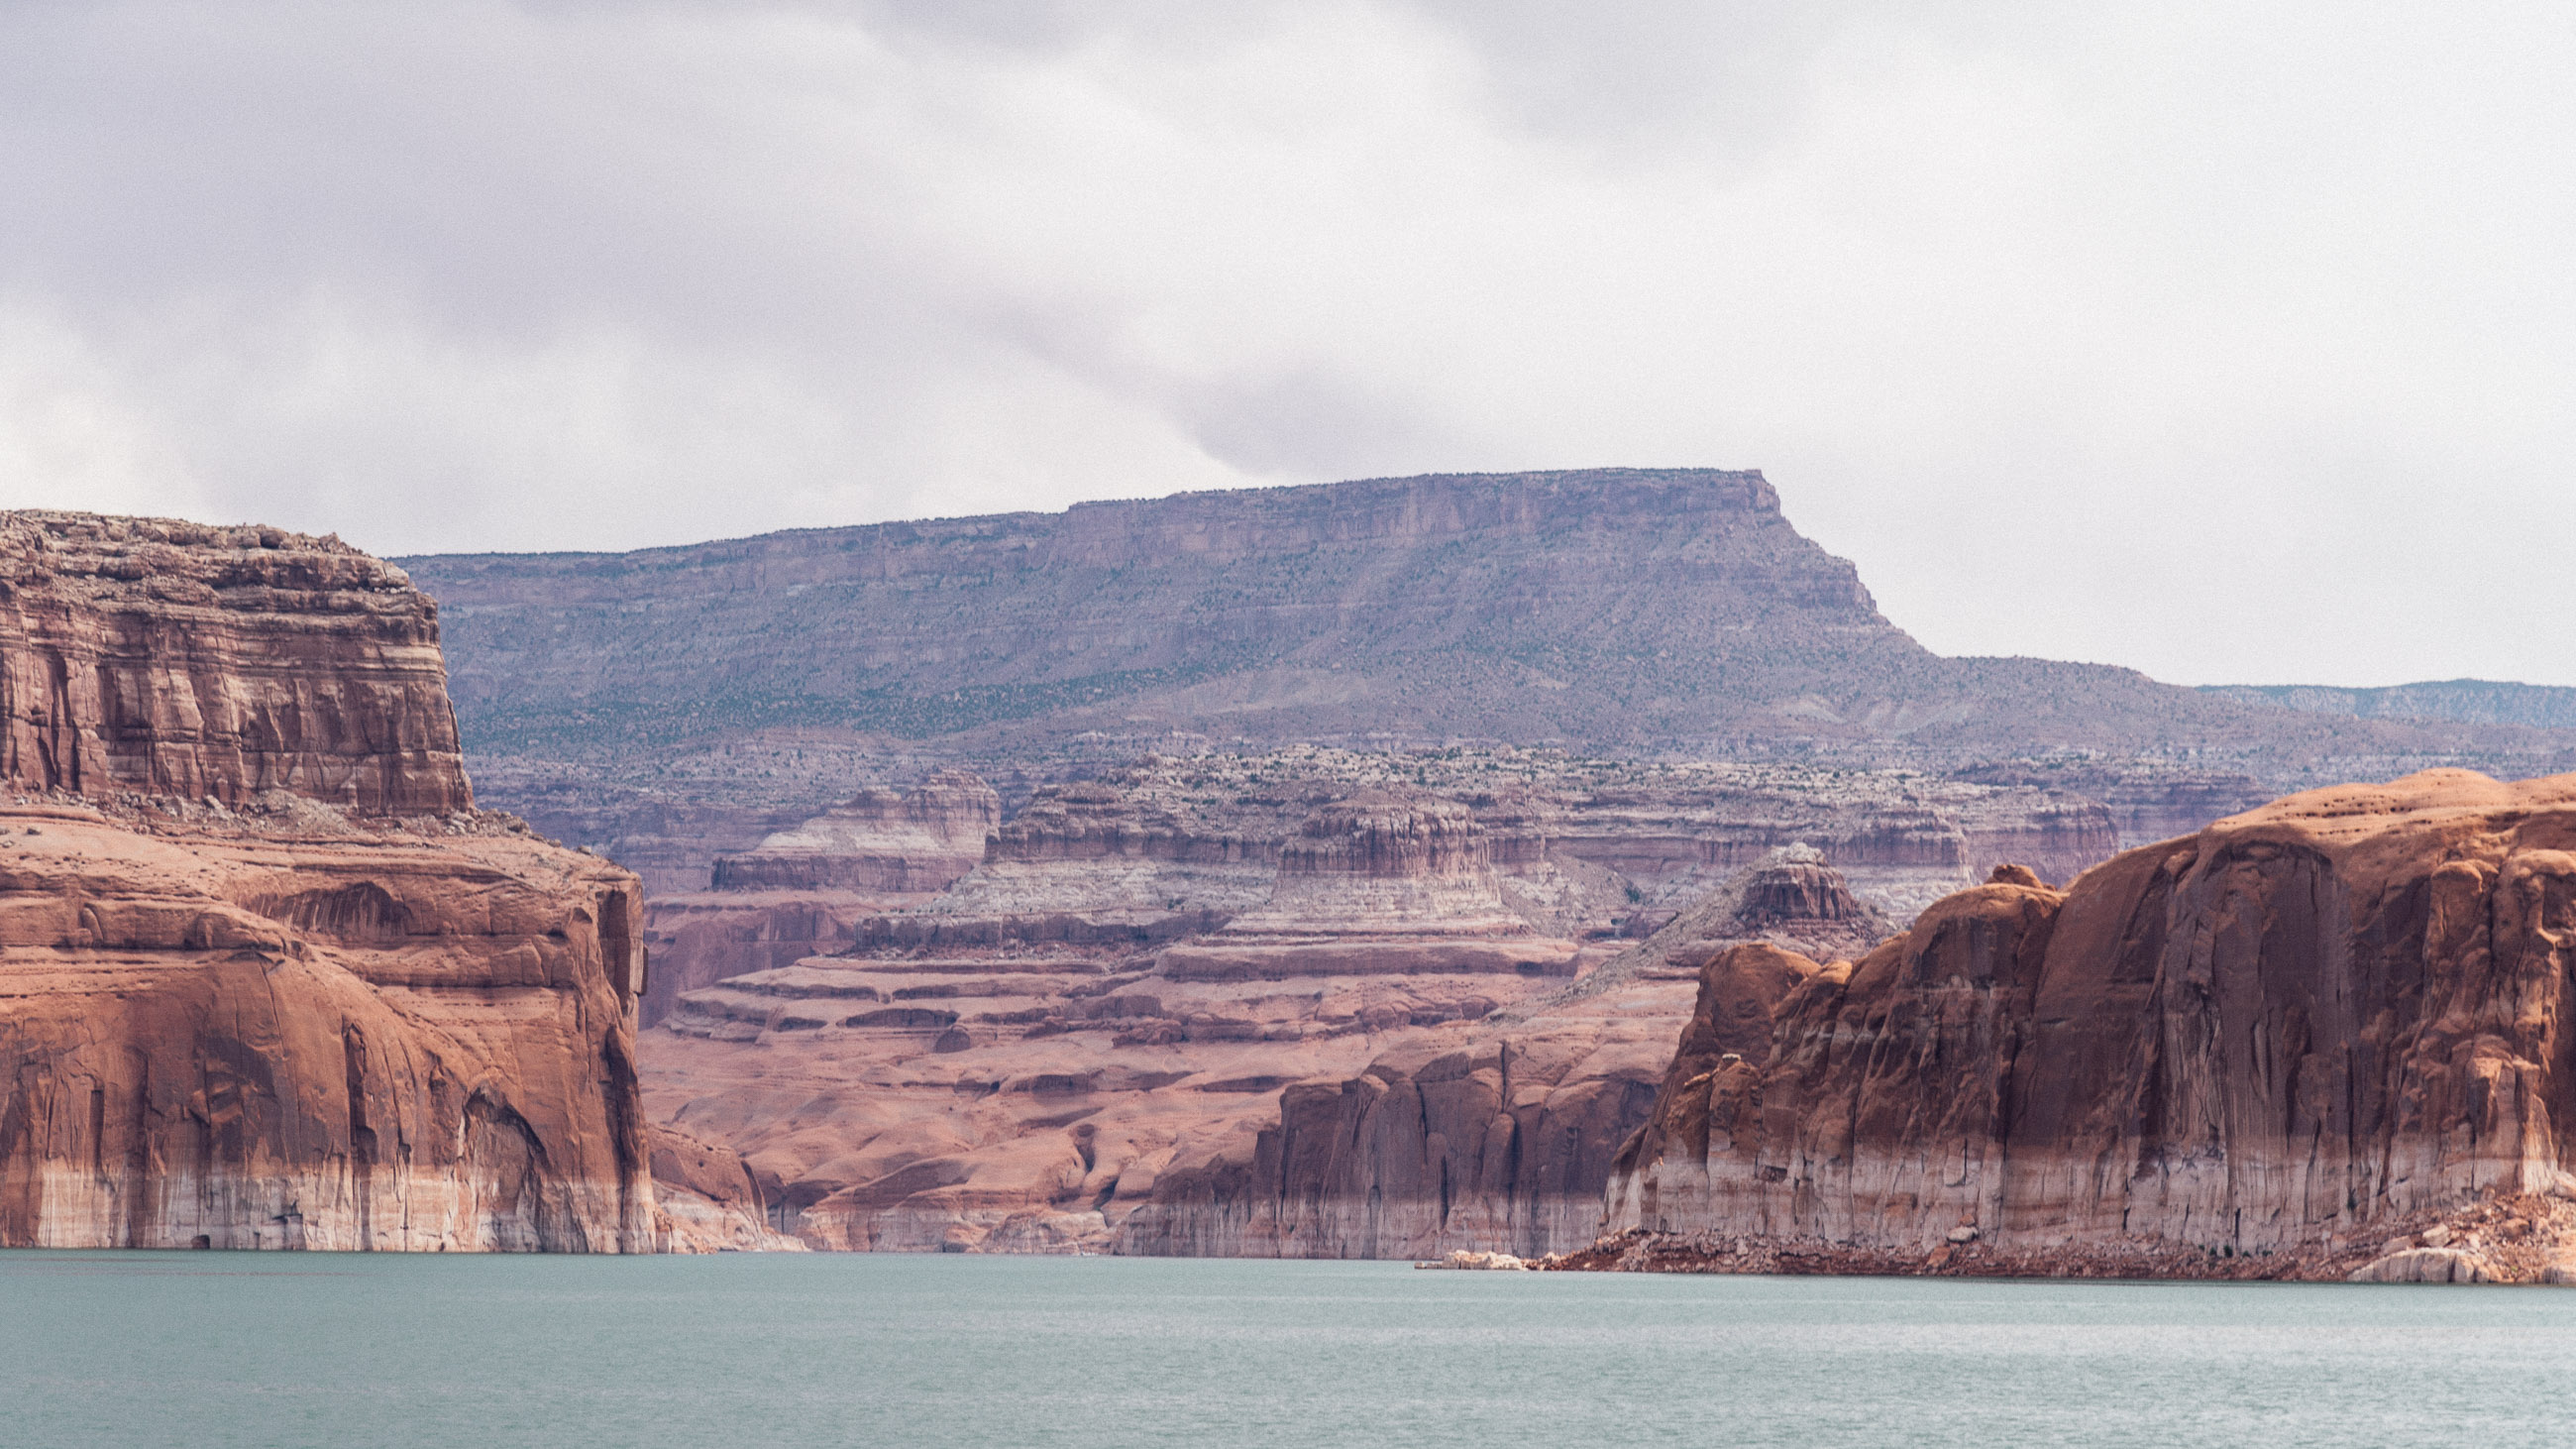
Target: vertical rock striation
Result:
[171, 658]
[267, 980]
[218, 1035]
[2343, 1010]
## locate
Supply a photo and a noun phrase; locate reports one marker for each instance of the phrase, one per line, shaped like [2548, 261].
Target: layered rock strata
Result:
[880, 841]
[238, 1030]
[1374, 884]
[806, 890]
[1493, 1137]
[2309, 1024]
[266, 979]
[978, 1077]
[171, 658]
[1157, 956]
[1020, 1096]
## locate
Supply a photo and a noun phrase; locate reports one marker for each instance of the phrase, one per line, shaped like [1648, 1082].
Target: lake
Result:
[225, 1349]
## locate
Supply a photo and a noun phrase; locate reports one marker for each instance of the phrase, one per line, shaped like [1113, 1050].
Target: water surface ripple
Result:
[211, 1350]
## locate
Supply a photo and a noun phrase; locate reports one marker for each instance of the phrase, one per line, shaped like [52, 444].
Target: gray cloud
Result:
[2225, 341]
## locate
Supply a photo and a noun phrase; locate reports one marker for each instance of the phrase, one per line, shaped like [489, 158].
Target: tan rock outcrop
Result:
[1380, 861]
[172, 658]
[2424, 1265]
[2341, 1010]
[880, 842]
[807, 890]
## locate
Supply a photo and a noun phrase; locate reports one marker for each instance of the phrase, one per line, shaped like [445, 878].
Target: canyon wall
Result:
[1087, 1040]
[1496, 1136]
[170, 658]
[237, 1031]
[1009, 1068]
[670, 704]
[267, 980]
[2302, 1026]
[807, 889]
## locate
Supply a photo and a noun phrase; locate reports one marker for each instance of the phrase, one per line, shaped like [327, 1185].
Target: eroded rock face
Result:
[266, 979]
[1347, 1084]
[2343, 1009]
[1010, 1081]
[881, 842]
[1023, 1095]
[249, 1033]
[1493, 1138]
[1486, 1138]
[806, 890]
[1378, 862]
[172, 658]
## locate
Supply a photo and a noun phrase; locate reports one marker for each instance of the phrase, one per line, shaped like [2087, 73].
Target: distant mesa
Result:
[669, 705]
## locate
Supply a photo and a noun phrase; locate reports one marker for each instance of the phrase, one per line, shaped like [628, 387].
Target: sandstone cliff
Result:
[238, 1031]
[174, 659]
[1494, 1135]
[807, 889]
[266, 979]
[2303, 1028]
[1192, 957]
[975, 1077]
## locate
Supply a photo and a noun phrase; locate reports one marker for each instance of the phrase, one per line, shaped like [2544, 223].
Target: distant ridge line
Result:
[2468, 701]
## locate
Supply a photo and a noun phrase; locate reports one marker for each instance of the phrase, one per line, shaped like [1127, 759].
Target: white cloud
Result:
[2222, 341]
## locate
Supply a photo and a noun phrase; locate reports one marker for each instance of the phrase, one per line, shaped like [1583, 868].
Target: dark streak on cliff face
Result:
[266, 979]
[172, 658]
[2345, 1010]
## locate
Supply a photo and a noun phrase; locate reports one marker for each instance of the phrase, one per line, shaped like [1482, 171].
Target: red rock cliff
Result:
[2343, 1010]
[266, 978]
[305, 1033]
[175, 659]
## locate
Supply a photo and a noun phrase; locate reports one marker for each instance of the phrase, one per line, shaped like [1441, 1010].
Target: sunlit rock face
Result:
[2339, 1010]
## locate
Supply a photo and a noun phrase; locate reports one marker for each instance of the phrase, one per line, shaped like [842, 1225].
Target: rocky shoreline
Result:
[2513, 1239]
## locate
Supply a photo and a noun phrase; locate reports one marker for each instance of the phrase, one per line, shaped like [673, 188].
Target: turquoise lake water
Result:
[220, 1349]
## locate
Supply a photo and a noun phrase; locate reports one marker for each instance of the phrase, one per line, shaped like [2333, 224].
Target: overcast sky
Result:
[2232, 341]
